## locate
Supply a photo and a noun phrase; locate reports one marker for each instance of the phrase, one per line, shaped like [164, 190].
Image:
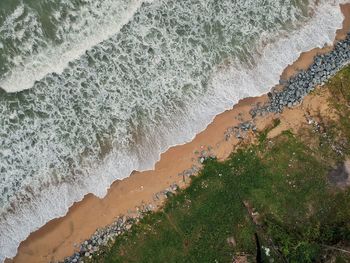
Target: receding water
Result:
[92, 90]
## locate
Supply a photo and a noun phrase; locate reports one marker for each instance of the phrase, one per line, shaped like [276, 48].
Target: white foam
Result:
[32, 68]
[229, 85]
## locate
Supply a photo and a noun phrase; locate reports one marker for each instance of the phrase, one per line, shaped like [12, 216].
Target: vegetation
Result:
[278, 190]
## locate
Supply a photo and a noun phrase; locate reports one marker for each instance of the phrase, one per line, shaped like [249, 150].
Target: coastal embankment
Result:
[284, 198]
[61, 237]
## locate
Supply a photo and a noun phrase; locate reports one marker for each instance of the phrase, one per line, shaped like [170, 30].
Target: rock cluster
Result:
[240, 131]
[204, 154]
[165, 193]
[101, 238]
[191, 171]
[296, 88]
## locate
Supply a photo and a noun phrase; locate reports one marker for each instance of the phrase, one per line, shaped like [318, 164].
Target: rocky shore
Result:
[288, 94]
[101, 238]
[298, 86]
[104, 236]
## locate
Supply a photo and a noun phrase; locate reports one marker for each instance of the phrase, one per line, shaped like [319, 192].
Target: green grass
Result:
[302, 217]
[339, 87]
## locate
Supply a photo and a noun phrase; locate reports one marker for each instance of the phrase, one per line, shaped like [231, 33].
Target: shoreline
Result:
[56, 239]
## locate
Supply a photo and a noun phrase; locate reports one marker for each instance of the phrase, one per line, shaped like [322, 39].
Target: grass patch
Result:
[339, 87]
[263, 135]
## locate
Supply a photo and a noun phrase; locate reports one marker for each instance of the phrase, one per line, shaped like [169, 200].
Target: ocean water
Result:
[92, 90]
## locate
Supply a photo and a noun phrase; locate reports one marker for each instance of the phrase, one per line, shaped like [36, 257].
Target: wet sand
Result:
[55, 240]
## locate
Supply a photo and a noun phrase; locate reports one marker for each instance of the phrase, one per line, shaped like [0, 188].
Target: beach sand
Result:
[56, 240]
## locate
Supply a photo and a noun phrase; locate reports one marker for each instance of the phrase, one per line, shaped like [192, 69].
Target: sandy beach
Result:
[58, 238]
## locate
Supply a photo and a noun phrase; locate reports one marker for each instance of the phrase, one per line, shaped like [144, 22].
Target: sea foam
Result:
[77, 32]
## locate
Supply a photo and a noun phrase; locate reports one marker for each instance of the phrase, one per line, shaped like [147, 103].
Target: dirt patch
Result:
[340, 176]
[307, 113]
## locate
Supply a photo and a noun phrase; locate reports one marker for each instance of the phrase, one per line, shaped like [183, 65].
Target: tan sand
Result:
[56, 239]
